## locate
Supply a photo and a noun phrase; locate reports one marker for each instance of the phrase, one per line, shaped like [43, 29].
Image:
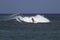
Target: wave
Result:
[30, 19]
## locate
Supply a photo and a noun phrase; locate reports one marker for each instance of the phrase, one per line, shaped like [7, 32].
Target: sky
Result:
[30, 6]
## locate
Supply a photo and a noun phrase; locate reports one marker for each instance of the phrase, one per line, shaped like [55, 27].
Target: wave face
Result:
[32, 19]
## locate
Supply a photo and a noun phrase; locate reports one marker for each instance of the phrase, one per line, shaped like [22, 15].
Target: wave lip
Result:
[33, 19]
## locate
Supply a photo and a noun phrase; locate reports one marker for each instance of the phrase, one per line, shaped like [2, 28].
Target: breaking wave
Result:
[31, 19]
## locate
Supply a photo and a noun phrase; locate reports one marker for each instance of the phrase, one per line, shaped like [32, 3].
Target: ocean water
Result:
[13, 30]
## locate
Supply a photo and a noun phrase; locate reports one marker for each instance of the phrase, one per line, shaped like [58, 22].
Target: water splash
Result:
[36, 19]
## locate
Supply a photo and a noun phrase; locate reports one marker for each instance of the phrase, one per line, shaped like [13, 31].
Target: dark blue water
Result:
[13, 30]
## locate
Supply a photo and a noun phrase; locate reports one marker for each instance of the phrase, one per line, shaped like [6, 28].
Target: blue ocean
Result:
[14, 30]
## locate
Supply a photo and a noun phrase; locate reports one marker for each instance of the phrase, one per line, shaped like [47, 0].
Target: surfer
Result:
[32, 20]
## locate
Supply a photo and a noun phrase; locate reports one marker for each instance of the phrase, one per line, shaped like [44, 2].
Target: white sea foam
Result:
[37, 19]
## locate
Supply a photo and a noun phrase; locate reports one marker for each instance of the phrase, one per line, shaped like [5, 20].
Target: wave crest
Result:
[36, 19]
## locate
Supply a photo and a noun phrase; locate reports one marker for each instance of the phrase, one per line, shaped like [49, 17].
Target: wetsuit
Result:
[32, 20]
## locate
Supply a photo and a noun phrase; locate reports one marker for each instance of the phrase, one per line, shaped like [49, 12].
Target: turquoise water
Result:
[13, 30]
